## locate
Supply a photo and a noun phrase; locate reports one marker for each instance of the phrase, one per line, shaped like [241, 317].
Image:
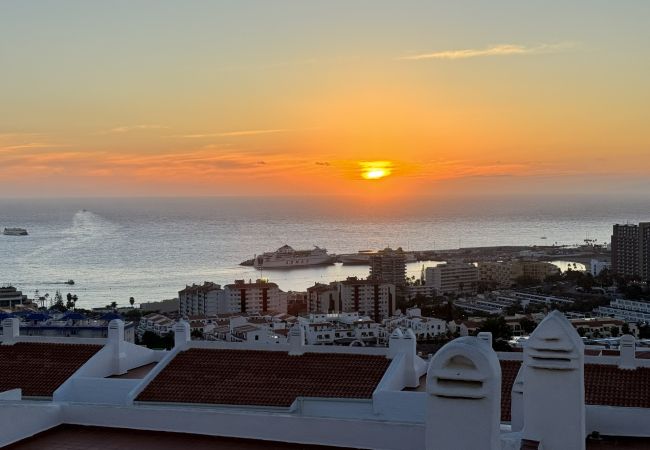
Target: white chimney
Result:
[409, 348]
[182, 335]
[464, 397]
[10, 329]
[296, 340]
[554, 391]
[627, 349]
[116, 341]
[394, 343]
[517, 402]
[485, 336]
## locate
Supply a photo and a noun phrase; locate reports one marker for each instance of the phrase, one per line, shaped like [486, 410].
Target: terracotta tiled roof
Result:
[263, 378]
[604, 385]
[40, 368]
[527, 444]
[509, 370]
[609, 385]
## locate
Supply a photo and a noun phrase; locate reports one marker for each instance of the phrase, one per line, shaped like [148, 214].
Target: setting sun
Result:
[374, 170]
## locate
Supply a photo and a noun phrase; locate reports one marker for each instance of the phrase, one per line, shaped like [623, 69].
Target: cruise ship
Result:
[15, 232]
[286, 257]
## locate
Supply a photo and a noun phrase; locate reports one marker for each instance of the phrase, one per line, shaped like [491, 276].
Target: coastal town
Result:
[496, 354]
[603, 292]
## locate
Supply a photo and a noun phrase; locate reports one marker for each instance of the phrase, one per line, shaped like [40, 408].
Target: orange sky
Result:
[203, 99]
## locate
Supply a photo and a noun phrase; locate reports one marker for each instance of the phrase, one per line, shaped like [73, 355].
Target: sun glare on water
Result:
[375, 170]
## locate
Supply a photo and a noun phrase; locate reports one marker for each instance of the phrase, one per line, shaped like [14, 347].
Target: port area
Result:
[581, 254]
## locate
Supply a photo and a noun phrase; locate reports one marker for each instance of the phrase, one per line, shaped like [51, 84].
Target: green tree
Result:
[644, 331]
[527, 325]
[501, 332]
[625, 329]
[69, 304]
[614, 331]
[131, 301]
[58, 303]
[153, 341]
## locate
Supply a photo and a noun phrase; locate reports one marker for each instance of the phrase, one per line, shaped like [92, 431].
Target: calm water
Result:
[151, 248]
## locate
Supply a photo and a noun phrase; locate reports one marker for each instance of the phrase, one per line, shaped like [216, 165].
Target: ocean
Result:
[150, 248]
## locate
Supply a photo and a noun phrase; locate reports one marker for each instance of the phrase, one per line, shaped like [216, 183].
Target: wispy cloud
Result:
[29, 145]
[494, 50]
[233, 133]
[126, 129]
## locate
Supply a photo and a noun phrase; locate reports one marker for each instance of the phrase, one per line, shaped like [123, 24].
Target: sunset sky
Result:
[305, 97]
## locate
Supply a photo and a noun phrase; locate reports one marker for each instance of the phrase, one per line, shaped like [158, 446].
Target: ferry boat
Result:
[286, 257]
[362, 257]
[15, 232]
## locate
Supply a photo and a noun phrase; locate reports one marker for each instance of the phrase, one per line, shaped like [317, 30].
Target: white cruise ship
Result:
[286, 257]
[15, 232]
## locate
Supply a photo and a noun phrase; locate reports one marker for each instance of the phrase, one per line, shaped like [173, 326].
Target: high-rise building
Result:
[207, 299]
[498, 273]
[389, 266]
[373, 298]
[631, 250]
[453, 278]
[255, 298]
[533, 270]
[323, 298]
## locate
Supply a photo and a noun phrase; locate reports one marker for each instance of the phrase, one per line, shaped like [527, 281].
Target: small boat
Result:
[70, 282]
[15, 232]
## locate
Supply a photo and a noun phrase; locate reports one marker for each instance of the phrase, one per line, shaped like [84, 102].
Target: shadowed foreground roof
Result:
[40, 368]
[74, 437]
[263, 378]
[604, 385]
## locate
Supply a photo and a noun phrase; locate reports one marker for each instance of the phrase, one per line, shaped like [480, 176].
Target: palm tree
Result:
[114, 305]
[132, 301]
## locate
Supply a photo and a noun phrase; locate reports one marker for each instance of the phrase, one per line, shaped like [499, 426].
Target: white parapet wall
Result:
[22, 419]
[251, 424]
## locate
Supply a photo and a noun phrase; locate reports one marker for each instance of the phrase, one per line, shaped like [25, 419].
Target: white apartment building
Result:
[340, 329]
[633, 311]
[207, 300]
[597, 266]
[259, 297]
[453, 278]
[373, 298]
[156, 323]
[423, 327]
